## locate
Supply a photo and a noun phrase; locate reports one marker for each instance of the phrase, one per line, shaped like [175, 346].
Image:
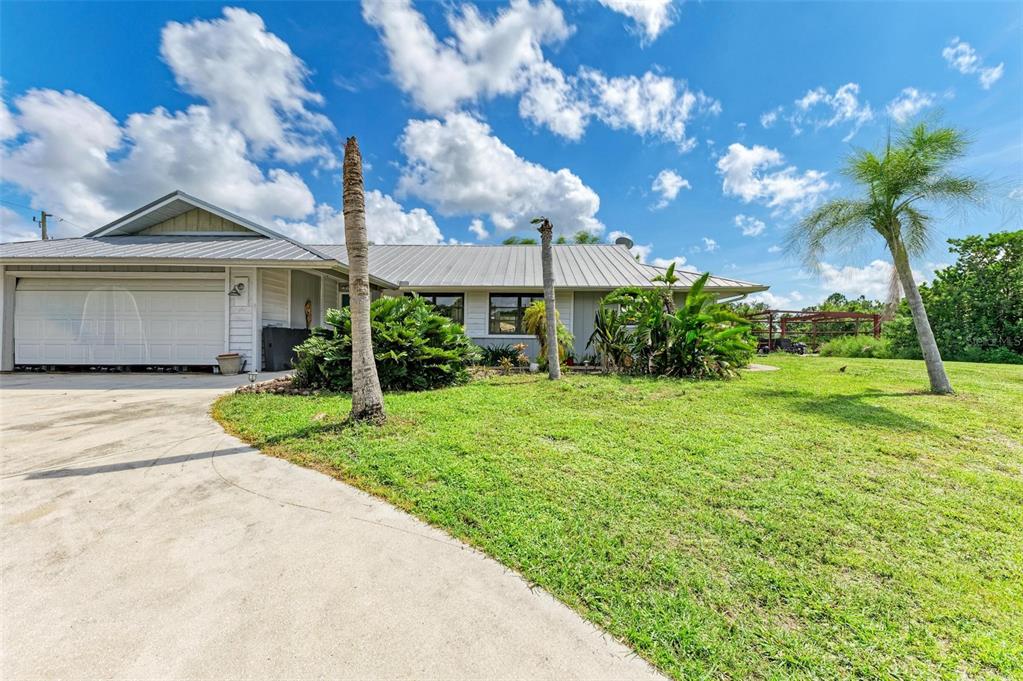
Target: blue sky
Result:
[702, 130]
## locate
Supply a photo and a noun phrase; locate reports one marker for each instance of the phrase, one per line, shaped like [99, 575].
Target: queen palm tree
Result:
[546, 230]
[910, 173]
[367, 398]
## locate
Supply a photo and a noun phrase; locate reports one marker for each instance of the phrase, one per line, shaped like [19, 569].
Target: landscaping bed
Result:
[807, 522]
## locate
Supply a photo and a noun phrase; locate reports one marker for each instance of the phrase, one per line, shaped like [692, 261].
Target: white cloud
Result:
[668, 183]
[775, 248]
[461, 168]
[871, 280]
[252, 81]
[681, 264]
[744, 170]
[990, 76]
[503, 56]
[651, 16]
[769, 118]
[709, 245]
[15, 227]
[8, 128]
[386, 223]
[908, 104]
[961, 56]
[649, 105]
[749, 225]
[552, 100]
[73, 157]
[844, 106]
[772, 300]
[483, 58]
[477, 228]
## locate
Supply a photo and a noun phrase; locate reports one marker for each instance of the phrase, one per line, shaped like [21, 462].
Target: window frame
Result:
[493, 330]
[431, 296]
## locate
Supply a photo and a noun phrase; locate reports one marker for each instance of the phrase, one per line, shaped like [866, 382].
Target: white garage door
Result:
[118, 321]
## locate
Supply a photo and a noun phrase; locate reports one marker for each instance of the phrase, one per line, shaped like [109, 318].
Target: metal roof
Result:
[176, 203]
[161, 248]
[576, 266]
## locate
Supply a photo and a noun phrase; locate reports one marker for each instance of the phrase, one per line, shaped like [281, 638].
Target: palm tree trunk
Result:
[367, 398]
[928, 346]
[547, 260]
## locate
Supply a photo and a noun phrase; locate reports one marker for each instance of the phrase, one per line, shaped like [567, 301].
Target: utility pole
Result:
[42, 222]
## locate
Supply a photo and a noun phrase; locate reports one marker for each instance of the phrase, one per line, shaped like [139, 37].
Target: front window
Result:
[451, 305]
[506, 311]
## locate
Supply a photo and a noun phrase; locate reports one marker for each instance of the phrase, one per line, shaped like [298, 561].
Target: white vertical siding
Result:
[242, 316]
[274, 291]
[6, 321]
[330, 295]
[477, 311]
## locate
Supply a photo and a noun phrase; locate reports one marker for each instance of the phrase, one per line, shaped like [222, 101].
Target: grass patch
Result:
[799, 523]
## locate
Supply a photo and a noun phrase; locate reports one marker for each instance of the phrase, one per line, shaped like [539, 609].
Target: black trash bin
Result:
[279, 346]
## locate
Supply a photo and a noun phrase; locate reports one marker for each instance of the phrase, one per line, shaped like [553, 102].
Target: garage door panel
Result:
[124, 322]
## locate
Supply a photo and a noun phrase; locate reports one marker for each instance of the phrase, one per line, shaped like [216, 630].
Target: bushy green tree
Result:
[975, 304]
[415, 348]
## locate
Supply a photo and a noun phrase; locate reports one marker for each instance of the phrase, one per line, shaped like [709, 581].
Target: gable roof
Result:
[177, 203]
[576, 266]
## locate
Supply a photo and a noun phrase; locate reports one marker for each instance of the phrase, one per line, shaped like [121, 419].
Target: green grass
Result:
[798, 523]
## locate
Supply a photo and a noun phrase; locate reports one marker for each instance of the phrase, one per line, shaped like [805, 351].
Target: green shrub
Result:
[988, 356]
[856, 346]
[492, 356]
[642, 331]
[415, 349]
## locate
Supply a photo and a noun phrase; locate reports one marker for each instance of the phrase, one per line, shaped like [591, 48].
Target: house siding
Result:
[586, 304]
[477, 320]
[330, 295]
[241, 315]
[274, 285]
[196, 220]
[304, 286]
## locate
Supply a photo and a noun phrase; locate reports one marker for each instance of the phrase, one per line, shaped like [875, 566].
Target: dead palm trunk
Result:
[928, 346]
[547, 259]
[367, 398]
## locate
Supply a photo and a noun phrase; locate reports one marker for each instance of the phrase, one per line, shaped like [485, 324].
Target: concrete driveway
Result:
[140, 541]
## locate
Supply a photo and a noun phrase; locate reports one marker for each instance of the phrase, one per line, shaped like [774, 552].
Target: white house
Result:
[180, 280]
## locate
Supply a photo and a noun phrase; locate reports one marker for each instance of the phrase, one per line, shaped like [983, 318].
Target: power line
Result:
[52, 215]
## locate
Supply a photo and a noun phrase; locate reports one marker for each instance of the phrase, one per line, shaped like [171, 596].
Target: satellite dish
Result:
[624, 241]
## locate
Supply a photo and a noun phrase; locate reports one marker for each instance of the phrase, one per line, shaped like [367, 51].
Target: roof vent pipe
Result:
[624, 241]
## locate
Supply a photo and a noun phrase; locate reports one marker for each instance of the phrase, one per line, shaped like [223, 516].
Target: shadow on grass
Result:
[855, 409]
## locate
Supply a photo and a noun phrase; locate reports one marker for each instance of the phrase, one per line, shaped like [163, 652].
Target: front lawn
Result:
[803, 522]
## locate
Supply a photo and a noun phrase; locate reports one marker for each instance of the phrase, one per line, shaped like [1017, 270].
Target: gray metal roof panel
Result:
[576, 266]
[161, 248]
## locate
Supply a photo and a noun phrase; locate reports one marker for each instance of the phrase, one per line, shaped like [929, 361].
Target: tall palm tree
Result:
[546, 230]
[912, 171]
[367, 398]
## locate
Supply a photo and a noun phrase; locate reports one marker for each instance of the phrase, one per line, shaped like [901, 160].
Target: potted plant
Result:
[230, 363]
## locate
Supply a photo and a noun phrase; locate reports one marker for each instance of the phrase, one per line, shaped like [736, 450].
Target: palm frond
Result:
[840, 223]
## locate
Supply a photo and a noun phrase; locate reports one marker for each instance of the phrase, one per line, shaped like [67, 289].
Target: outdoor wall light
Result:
[236, 290]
